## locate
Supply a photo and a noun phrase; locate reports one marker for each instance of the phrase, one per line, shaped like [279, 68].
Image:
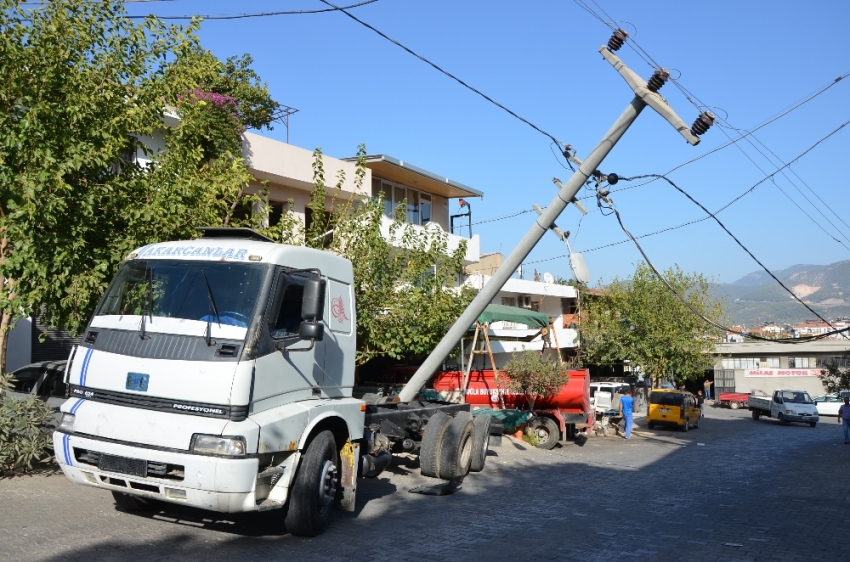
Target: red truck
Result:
[555, 417]
[733, 400]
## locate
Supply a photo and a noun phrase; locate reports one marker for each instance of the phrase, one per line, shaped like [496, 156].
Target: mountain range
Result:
[757, 298]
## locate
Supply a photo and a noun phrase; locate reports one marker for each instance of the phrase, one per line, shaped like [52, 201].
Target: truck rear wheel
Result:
[756, 415]
[734, 405]
[432, 439]
[546, 431]
[315, 487]
[457, 448]
[133, 503]
[480, 443]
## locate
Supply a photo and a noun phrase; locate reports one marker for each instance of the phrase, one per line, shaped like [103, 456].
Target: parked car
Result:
[44, 380]
[828, 404]
[609, 394]
[673, 407]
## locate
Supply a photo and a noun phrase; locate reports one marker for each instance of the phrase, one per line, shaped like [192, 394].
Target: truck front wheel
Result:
[315, 487]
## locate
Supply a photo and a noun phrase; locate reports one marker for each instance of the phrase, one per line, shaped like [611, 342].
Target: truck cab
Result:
[208, 370]
[786, 405]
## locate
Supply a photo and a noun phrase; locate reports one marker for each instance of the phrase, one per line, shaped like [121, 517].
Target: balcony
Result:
[473, 245]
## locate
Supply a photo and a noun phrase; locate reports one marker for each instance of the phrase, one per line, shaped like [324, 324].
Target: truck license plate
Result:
[124, 465]
[663, 411]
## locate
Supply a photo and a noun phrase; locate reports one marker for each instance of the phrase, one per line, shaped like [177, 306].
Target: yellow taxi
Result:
[672, 407]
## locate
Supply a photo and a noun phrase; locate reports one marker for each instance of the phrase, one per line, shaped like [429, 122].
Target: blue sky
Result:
[748, 60]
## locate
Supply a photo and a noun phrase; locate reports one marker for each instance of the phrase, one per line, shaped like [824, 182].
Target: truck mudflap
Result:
[349, 459]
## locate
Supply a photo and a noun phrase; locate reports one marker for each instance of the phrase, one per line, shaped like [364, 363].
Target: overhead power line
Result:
[741, 244]
[749, 190]
[447, 73]
[700, 314]
[257, 14]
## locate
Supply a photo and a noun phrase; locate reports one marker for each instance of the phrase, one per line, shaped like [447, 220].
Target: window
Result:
[425, 208]
[52, 385]
[568, 306]
[769, 362]
[289, 314]
[800, 363]
[178, 289]
[509, 301]
[25, 380]
[666, 399]
[418, 204]
[740, 363]
[824, 362]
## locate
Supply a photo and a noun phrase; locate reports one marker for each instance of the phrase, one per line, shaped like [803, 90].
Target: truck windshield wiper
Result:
[208, 336]
[148, 310]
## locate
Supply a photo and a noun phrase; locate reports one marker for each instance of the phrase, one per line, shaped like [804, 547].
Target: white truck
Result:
[218, 372]
[785, 405]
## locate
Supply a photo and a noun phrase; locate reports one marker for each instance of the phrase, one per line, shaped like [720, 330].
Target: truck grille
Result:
[154, 469]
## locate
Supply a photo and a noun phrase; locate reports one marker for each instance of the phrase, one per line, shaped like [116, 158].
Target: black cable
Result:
[708, 320]
[502, 218]
[714, 216]
[257, 15]
[447, 73]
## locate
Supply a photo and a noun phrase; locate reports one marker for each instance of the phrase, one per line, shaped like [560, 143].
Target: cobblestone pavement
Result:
[734, 489]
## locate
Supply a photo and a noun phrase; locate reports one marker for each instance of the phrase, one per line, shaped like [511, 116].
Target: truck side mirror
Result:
[314, 331]
[313, 301]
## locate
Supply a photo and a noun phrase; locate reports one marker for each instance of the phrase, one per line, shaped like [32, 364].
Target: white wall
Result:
[19, 352]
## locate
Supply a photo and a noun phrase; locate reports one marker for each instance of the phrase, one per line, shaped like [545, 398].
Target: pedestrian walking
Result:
[627, 410]
[707, 386]
[701, 402]
[844, 419]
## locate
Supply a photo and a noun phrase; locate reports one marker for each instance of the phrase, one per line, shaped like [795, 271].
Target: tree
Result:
[404, 276]
[532, 374]
[84, 88]
[833, 377]
[641, 320]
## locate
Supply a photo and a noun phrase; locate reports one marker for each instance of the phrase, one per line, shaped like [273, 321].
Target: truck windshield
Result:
[796, 397]
[178, 290]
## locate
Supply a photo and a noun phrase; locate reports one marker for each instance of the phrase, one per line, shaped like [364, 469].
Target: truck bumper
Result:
[220, 484]
[799, 418]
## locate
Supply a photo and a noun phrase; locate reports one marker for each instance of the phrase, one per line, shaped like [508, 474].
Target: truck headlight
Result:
[216, 445]
[66, 424]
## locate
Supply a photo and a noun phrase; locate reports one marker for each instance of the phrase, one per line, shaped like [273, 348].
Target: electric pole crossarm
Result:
[652, 98]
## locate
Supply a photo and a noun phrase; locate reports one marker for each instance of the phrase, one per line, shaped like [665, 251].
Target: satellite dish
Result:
[547, 277]
[579, 268]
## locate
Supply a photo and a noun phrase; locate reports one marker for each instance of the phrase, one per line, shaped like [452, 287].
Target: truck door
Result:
[776, 404]
[288, 375]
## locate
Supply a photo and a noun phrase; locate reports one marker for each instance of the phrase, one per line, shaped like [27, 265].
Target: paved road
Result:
[734, 489]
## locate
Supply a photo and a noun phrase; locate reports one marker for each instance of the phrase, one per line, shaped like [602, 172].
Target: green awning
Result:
[502, 313]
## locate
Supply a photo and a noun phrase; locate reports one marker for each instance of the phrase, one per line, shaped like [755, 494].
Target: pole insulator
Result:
[658, 79]
[617, 39]
[702, 123]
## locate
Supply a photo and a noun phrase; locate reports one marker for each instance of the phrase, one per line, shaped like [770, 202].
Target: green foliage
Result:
[641, 320]
[834, 378]
[532, 374]
[82, 87]
[404, 276]
[25, 432]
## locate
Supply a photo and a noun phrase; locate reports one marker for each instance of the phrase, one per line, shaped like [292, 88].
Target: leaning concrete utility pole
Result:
[646, 93]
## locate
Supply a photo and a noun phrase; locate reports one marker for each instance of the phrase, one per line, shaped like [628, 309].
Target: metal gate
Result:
[724, 381]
